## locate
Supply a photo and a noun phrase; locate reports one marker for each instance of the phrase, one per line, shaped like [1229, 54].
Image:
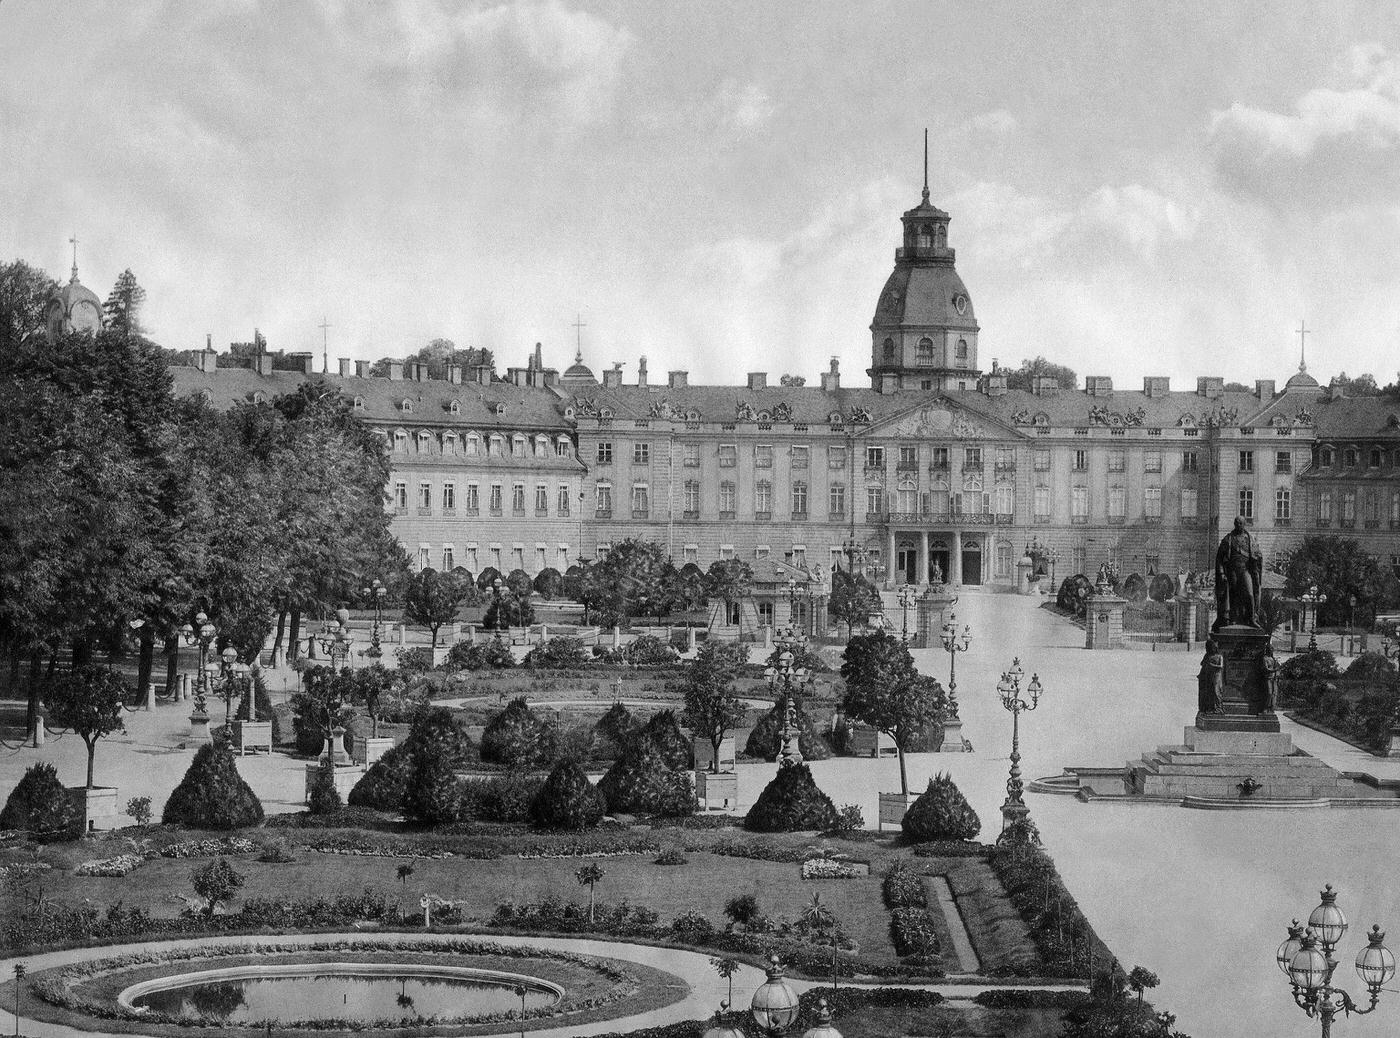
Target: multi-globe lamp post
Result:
[1306, 959]
[1312, 599]
[783, 678]
[1390, 648]
[954, 642]
[1017, 701]
[201, 633]
[908, 595]
[334, 639]
[375, 593]
[774, 1008]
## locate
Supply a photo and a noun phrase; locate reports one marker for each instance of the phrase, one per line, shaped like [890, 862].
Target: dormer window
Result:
[473, 443]
[1375, 457]
[359, 403]
[517, 446]
[542, 446]
[406, 406]
[400, 440]
[454, 407]
[425, 441]
[498, 445]
[449, 443]
[1326, 456]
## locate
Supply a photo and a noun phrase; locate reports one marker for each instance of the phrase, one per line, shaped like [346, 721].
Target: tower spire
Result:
[74, 241]
[925, 165]
[1302, 346]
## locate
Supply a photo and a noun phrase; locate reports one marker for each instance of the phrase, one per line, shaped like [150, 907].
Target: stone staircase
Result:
[1237, 766]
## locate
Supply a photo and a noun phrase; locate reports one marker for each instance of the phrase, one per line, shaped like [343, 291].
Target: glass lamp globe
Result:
[1327, 920]
[1375, 965]
[774, 1006]
[186, 632]
[1289, 948]
[823, 1027]
[720, 1029]
[1308, 967]
[229, 655]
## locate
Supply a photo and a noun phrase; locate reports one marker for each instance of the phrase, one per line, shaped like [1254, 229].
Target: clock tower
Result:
[74, 307]
[924, 335]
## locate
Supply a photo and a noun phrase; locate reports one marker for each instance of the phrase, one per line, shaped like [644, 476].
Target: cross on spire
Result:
[925, 165]
[578, 327]
[74, 241]
[325, 346]
[1303, 330]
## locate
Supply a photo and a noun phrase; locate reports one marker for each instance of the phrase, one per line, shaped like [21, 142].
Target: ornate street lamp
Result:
[907, 597]
[720, 1028]
[1315, 599]
[954, 642]
[496, 586]
[775, 1006]
[1009, 688]
[19, 976]
[782, 678]
[1390, 648]
[375, 593]
[334, 639]
[202, 634]
[1306, 957]
[823, 1028]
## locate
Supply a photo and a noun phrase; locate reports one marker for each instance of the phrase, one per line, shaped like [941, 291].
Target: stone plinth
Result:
[893, 807]
[1025, 582]
[346, 775]
[704, 753]
[199, 726]
[99, 807]
[368, 750]
[931, 613]
[1103, 622]
[953, 741]
[867, 742]
[1239, 766]
[717, 791]
[252, 735]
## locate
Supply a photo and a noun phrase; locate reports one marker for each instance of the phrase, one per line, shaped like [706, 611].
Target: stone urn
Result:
[335, 747]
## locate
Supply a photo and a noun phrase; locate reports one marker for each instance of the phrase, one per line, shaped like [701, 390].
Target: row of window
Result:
[476, 558]
[473, 444]
[1351, 457]
[924, 352]
[1283, 461]
[471, 499]
[1373, 502]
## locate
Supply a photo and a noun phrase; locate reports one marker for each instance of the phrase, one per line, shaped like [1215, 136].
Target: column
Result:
[889, 560]
[955, 559]
[923, 558]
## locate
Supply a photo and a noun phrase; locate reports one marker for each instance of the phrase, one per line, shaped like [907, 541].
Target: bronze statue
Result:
[1239, 565]
[935, 575]
[1210, 683]
[1270, 665]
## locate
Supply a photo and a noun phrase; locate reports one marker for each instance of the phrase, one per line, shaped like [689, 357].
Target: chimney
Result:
[395, 371]
[1098, 385]
[995, 383]
[678, 379]
[1154, 386]
[831, 380]
[307, 361]
[642, 371]
[481, 374]
[758, 380]
[613, 379]
[538, 360]
[209, 341]
[1264, 389]
[1045, 385]
[420, 371]
[362, 368]
[1212, 387]
[345, 363]
[454, 374]
[205, 360]
[264, 364]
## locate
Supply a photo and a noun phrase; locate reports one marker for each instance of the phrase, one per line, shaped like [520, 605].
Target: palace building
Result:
[933, 467]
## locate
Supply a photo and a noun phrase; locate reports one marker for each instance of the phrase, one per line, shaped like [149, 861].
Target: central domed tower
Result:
[74, 307]
[924, 335]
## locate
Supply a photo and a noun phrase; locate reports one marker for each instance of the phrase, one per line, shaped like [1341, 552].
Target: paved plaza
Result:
[1200, 897]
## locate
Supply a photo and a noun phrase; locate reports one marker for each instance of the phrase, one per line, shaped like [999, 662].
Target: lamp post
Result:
[954, 642]
[375, 593]
[774, 1007]
[1314, 599]
[1306, 958]
[907, 593]
[496, 586]
[1052, 555]
[202, 633]
[782, 678]
[1009, 688]
[334, 640]
[19, 975]
[227, 669]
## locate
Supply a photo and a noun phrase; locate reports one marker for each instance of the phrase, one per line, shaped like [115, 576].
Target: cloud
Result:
[1339, 148]
[1140, 217]
[740, 108]
[996, 123]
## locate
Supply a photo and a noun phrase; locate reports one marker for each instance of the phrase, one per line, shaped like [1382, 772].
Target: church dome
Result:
[1302, 380]
[925, 296]
[578, 372]
[74, 308]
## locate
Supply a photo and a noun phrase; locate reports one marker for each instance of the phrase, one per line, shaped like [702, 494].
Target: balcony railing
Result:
[603, 513]
[691, 513]
[939, 518]
[799, 517]
[762, 517]
[640, 513]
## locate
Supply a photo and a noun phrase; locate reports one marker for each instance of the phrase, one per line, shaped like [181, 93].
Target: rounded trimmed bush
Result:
[791, 803]
[941, 813]
[212, 795]
[559, 653]
[516, 738]
[491, 654]
[567, 800]
[40, 804]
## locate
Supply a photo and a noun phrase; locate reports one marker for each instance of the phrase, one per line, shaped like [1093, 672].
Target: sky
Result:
[1163, 189]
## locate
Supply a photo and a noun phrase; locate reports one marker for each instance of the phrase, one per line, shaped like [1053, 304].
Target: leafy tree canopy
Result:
[1020, 378]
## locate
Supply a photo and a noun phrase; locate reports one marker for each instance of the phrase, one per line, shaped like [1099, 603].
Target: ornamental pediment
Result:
[941, 421]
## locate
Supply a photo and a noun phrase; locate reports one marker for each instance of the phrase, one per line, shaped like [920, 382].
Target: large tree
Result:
[89, 701]
[884, 691]
[1341, 569]
[433, 599]
[24, 295]
[853, 599]
[713, 708]
[124, 304]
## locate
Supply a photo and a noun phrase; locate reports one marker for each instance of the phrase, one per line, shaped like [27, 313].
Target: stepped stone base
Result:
[1235, 765]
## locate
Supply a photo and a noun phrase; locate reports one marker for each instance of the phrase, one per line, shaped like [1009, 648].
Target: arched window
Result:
[908, 497]
[925, 351]
[359, 403]
[924, 239]
[889, 351]
[940, 236]
[455, 407]
[406, 406]
[962, 351]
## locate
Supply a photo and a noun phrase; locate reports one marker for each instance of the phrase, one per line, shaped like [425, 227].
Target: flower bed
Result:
[206, 848]
[914, 932]
[829, 868]
[111, 868]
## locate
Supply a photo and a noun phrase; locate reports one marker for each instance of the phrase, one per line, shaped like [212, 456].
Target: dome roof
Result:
[578, 371]
[1302, 380]
[922, 295]
[74, 292]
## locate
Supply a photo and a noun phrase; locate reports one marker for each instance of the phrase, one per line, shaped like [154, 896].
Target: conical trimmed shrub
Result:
[791, 803]
[664, 733]
[325, 798]
[382, 786]
[212, 795]
[40, 804]
[567, 800]
[432, 791]
[765, 741]
[642, 781]
[941, 813]
[615, 728]
[516, 738]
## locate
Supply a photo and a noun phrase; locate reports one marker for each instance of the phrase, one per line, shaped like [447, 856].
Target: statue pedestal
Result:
[953, 741]
[1103, 621]
[1245, 695]
[931, 613]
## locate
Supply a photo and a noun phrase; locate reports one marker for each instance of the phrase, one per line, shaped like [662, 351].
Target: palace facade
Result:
[932, 467]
